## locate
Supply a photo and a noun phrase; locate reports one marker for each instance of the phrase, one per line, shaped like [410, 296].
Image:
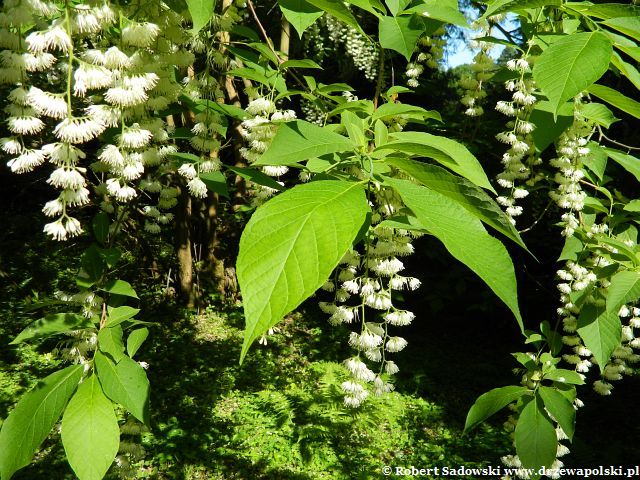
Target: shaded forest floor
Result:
[280, 414]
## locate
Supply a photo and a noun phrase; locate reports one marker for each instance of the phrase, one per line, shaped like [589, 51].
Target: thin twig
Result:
[615, 142]
[380, 79]
[538, 219]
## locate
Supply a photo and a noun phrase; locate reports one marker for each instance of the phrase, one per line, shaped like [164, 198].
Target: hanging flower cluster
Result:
[108, 72]
[482, 68]
[370, 277]
[258, 132]
[520, 156]
[430, 51]
[362, 51]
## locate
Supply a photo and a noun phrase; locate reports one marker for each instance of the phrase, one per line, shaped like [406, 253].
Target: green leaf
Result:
[110, 342]
[630, 163]
[290, 246]
[381, 133]
[135, 340]
[201, 12]
[571, 249]
[632, 206]
[120, 287]
[433, 9]
[626, 69]
[596, 161]
[400, 34]
[100, 226]
[51, 325]
[256, 176]
[601, 332]
[387, 110]
[616, 99]
[449, 153]
[90, 431]
[560, 408]
[572, 64]
[535, 436]
[627, 25]
[397, 6]
[606, 10]
[470, 196]
[298, 140]
[215, 182]
[501, 6]
[33, 417]
[120, 314]
[564, 376]
[633, 52]
[624, 288]
[125, 383]
[598, 113]
[338, 10]
[304, 63]
[549, 125]
[491, 402]
[465, 238]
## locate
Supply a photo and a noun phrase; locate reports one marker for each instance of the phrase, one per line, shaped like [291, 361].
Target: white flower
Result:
[140, 34]
[260, 106]
[135, 137]
[27, 161]
[387, 267]
[49, 104]
[56, 230]
[188, 171]
[55, 38]
[275, 171]
[364, 341]
[38, 62]
[66, 178]
[391, 368]
[88, 76]
[75, 197]
[359, 370]
[125, 97]
[53, 208]
[122, 193]
[114, 59]
[197, 188]
[25, 125]
[399, 318]
[105, 114]
[395, 344]
[85, 21]
[78, 130]
[11, 145]
[63, 153]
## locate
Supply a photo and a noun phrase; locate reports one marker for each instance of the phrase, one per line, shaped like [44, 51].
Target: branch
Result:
[615, 142]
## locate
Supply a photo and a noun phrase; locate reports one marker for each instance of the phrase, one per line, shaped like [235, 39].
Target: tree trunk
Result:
[183, 248]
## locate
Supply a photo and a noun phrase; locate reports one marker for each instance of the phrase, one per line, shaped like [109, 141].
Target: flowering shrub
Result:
[126, 102]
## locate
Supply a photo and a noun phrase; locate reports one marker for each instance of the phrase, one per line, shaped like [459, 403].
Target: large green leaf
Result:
[627, 25]
[601, 332]
[52, 325]
[535, 436]
[624, 288]
[90, 432]
[605, 10]
[201, 12]
[571, 64]
[564, 376]
[446, 151]
[630, 163]
[300, 14]
[299, 140]
[491, 402]
[125, 383]
[290, 246]
[33, 418]
[400, 34]
[256, 176]
[434, 9]
[626, 69]
[560, 408]
[465, 238]
[549, 124]
[501, 6]
[135, 340]
[616, 99]
[110, 341]
[120, 314]
[338, 10]
[120, 287]
[467, 194]
[598, 113]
